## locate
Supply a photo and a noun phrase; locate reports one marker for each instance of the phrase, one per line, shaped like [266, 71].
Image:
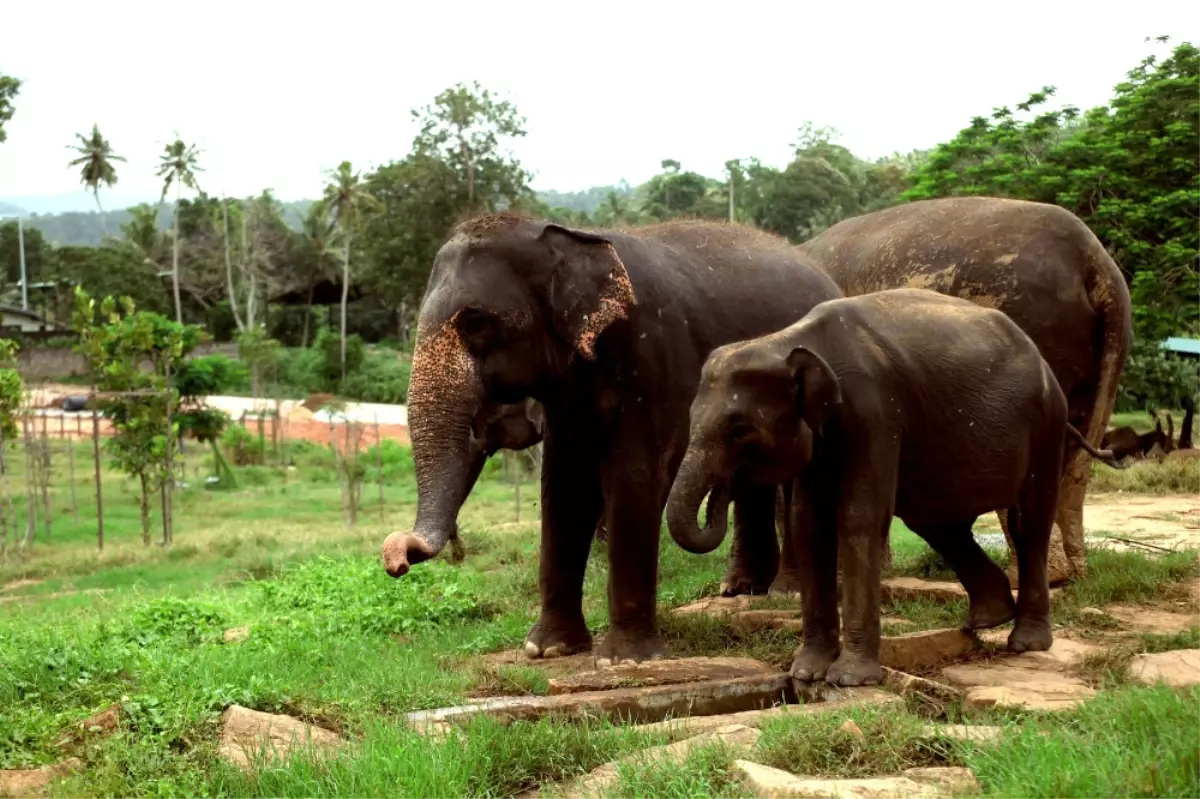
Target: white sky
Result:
[276, 93]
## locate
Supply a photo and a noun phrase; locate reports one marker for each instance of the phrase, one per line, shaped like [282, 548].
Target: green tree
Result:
[115, 269]
[38, 253]
[10, 87]
[177, 166]
[348, 202]
[95, 164]
[1130, 170]
[12, 392]
[143, 236]
[465, 128]
[141, 405]
[312, 259]
[675, 193]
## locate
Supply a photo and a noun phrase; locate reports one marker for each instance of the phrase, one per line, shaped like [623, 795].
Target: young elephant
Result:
[904, 402]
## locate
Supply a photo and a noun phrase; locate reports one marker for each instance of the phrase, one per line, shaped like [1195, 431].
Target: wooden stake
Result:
[30, 502]
[44, 472]
[337, 463]
[96, 464]
[168, 520]
[5, 500]
[379, 458]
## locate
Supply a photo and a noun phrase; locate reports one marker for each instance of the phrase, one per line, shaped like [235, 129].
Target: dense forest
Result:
[1129, 169]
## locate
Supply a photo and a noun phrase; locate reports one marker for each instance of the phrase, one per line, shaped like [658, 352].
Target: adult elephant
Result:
[1040, 265]
[608, 331]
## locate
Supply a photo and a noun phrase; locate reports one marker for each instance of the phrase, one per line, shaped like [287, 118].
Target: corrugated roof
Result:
[1189, 346]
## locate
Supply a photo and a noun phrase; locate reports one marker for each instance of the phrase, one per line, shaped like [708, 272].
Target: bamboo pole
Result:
[379, 459]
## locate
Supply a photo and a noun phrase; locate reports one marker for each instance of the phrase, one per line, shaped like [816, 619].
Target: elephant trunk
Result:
[698, 476]
[443, 396]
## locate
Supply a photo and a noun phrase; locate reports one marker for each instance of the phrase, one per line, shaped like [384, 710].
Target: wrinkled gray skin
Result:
[903, 402]
[1037, 263]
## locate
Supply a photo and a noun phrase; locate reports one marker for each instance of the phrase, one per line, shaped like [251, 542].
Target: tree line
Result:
[1128, 168]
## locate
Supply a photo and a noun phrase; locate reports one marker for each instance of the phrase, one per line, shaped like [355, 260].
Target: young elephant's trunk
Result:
[444, 394]
[698, 476]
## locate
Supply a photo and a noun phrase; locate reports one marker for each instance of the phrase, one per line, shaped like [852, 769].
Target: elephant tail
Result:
[1105, 456]
[1110, 298]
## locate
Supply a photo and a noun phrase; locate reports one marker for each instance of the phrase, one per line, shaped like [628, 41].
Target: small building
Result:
[1178, 345]
[13, 318]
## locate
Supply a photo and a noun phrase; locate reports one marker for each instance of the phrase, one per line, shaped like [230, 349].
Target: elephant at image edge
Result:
[1040, 265]
[880, 405]
[608, 331]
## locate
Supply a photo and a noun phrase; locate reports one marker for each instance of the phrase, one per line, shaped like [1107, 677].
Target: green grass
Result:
[334, 641]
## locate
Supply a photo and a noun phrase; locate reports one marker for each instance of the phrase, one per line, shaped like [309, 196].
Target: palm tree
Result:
[95, 158]
[177, 165]
[347, 199]
[315, 231]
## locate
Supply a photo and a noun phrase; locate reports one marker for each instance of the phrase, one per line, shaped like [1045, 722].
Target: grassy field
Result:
[334, 641]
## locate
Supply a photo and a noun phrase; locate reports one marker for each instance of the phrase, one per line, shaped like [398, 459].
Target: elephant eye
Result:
[742, 431]
[476, 324]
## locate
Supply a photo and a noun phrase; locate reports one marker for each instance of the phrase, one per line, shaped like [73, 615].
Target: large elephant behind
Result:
[1041, 266]
[608, 330]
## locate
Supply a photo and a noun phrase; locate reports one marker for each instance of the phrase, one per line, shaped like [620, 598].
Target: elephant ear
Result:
[590, 288]
[536, 415]
[818, 391]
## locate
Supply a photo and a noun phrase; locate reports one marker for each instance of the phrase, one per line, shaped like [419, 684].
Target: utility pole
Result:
[21, 256]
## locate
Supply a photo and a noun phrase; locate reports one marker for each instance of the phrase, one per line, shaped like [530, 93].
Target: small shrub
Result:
[329, 347]
[246, 448]
[356, 594]
[383, 377]
[194, 622]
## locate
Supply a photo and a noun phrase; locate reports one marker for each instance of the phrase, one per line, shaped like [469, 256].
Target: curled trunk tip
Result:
[694, 481]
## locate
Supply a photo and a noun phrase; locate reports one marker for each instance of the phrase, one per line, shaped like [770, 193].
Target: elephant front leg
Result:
[814, 545]
[571, 502]
[863, 522]
[633, 533]
[754, 556]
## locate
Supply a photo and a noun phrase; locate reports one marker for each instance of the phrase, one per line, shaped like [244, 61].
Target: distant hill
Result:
[587, 200]
[85, 227]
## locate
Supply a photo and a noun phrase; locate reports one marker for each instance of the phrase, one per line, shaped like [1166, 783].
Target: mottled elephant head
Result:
[752, 420]
[510, 303]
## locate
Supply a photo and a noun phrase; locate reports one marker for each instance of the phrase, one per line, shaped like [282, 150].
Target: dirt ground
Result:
[1169, 522]
[1172, 521]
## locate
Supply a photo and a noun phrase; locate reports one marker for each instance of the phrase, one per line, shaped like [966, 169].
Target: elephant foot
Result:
[740, 580]
[622, 645]
[552, 637]
[1030, 635]
[851, 669]
[991, 610]
[811, 661]
[786, 584]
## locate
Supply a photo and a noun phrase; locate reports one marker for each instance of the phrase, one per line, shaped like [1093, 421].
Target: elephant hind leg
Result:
[1058, 566]
[754, 557]
[991, 602]
[1031, 524]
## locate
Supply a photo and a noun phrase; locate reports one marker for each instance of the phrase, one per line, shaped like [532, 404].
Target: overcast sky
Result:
[274, 93]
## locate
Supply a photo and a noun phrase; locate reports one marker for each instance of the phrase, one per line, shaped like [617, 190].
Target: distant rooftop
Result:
[16, 310]
[1186, 346]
